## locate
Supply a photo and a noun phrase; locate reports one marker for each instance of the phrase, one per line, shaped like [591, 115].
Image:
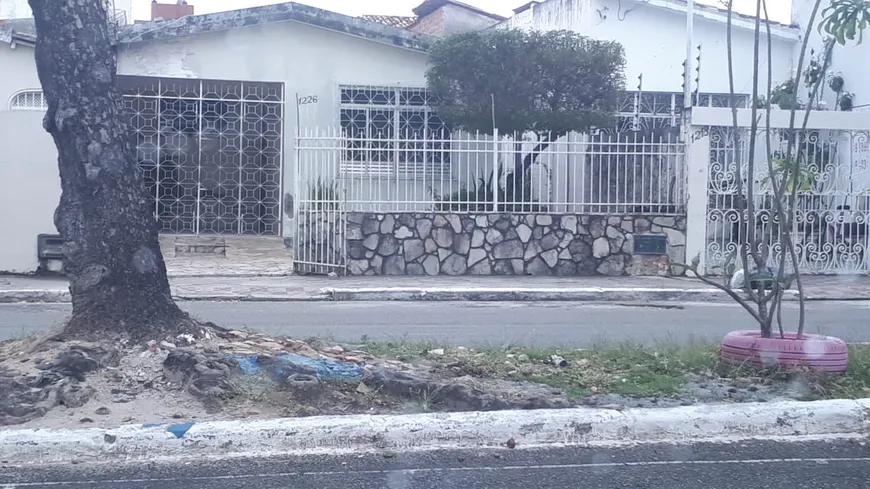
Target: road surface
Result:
[771, 465]
[559, 324]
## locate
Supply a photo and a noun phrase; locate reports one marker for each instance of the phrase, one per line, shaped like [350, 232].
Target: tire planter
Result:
[812, 351]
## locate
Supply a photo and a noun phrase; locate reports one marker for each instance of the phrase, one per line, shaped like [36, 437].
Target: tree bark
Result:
[111, 250]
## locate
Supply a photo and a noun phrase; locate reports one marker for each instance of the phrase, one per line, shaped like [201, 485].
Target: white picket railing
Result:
[574, 173]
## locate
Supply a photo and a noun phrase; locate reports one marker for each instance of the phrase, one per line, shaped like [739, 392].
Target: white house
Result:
[216, 102]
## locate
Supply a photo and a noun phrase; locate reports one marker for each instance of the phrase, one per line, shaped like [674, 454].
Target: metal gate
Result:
[211, 152]
[830, 230]
[320, 214]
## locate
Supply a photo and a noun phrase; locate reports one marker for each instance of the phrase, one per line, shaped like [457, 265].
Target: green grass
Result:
[631, 370]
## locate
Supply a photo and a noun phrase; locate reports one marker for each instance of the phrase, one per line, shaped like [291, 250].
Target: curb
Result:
[365, 433]
[526, 294]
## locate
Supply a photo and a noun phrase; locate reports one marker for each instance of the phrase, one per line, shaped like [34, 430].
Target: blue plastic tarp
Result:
[288, 364]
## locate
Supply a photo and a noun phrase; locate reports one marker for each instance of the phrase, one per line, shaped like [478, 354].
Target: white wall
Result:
[29, 188]
[654, 39]
[19, 72]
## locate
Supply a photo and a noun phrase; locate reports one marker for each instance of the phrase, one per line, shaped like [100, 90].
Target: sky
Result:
[142, 8]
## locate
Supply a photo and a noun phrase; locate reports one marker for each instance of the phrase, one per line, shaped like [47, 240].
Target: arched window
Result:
[28, 100]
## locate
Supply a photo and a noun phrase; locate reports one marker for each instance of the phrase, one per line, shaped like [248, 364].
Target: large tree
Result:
[111, 251]
[546, 83]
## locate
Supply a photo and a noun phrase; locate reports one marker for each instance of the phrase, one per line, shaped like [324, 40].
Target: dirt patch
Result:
[233, 375]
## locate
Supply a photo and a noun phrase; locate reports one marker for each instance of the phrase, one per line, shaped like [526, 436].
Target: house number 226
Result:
[307, 100]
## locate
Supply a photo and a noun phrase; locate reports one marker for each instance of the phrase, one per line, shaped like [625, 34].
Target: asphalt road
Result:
[771, 465]
[561, 324]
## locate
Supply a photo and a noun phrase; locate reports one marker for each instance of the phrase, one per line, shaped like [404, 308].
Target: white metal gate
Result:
[320, 207]
[830, 231]
[211, 152]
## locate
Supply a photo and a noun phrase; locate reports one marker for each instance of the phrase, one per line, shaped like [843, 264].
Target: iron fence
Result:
[605, 173]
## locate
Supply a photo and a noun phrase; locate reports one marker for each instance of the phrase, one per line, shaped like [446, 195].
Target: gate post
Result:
[697, 197]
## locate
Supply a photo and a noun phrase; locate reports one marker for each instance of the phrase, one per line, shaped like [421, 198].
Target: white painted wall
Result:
[19, 72]
[654, 39]
[29, 188]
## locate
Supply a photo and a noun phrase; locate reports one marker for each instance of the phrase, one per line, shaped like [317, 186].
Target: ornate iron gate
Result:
[320, 210]
[830, 231]
[211, 152]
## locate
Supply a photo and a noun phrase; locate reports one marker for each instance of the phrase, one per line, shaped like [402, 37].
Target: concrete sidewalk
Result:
[299, 288]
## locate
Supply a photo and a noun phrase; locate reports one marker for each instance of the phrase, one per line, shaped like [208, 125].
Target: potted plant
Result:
[754, 279]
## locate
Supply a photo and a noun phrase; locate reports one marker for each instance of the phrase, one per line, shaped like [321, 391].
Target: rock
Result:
[503, 267]
[377, 265]
[507, 250]
[675, 238]
[443, 254]
[579, 249]
[475, 256]
[522, 358]
[455, 223]
[354, 231]
[394, 265]
[550, 241]
[370, 225]
[402, 233]
[612, 266]
[423, 227]
[482, 268]
[356, 250]
[544, 220]
[74, 395]
[412, 249]
[550, 257]
[537, 267]
[406, 219]
[357, 267]
[665, 222]
[388, 246]
[519, 266]
[430, 246]
[443, 237]
[303, 386]
[532, 250]
[503, 224]
[454, 265]
[537, 233]
[641, 225]
[616, 244]
[481, 222]
[388, 224]
[86, 420]
[565, 255]
[371, 242]
[600, 247]
[415, 269]
[362, 388]
[524, 233]
[102, 411]
[167, 345]
[566, 268]
[239, 334]
[494, 237]
[178, 416]
[569, 223]
[628, 226]
[437, 352]
[440, 221]
[597, 226]
[462, 243]
[432, 265]
[477, 238]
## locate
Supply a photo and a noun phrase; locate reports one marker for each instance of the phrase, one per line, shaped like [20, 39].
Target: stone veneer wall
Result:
[507, 244]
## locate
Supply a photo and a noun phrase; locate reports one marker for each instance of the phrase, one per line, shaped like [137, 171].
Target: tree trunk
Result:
[111, 251]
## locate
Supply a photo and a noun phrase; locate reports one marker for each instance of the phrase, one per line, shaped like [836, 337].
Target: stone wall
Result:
[508, 244]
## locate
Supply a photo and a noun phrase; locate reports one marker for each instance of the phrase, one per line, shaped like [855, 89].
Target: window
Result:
[392, 131]
[28, 100]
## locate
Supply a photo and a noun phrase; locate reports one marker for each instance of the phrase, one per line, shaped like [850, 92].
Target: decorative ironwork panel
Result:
[831, 203]
[211, 152]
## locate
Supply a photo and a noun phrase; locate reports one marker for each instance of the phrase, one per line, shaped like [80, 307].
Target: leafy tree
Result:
[548, 83]
[845, 19]
[111, 252]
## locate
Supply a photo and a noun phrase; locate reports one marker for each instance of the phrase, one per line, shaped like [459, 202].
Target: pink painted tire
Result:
[812, 351]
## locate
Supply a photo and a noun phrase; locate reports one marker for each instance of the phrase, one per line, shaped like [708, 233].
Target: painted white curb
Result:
[356, 434]
[597, 294]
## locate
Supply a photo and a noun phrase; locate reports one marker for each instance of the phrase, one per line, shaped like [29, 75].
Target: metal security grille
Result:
[28, 100]
[832, 203]
[211, 152]
[648, 111]
[393, 132]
